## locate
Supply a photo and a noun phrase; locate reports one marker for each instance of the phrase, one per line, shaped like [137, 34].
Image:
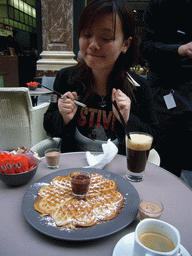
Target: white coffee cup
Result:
[156, 226]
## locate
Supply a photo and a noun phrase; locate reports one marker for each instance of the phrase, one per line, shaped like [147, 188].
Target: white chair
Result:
[21, 124]
[48, 81]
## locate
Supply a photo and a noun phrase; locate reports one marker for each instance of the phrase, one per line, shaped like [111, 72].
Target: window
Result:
[21, 13]
[11, 13]
[16, 15]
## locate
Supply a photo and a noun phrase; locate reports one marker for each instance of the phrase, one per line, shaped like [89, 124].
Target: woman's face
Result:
[98, 46]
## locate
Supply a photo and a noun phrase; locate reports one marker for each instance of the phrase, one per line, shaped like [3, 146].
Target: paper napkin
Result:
[99, 161]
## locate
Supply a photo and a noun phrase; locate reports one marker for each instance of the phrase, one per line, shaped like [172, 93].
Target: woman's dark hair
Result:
[118, 78]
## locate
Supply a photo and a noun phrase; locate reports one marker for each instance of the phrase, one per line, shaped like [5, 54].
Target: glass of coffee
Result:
[80, 184]
[52, 156]
[137, 151]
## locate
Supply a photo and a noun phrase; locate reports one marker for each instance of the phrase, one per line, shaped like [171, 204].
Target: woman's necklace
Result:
[103, 102]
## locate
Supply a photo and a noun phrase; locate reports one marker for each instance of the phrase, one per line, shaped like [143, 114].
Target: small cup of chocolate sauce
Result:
[150, 208]
[80, 184]
[52, 156]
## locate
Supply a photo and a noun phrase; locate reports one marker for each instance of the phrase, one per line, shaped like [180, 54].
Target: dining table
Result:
[18, 237]
[38, 92]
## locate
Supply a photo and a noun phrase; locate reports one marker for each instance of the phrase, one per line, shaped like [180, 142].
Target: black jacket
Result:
[96, 122]
[167, 27]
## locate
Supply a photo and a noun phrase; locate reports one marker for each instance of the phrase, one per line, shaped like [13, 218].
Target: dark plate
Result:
[46, 226]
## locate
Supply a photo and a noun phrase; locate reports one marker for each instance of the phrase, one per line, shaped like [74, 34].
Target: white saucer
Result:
[125, 246]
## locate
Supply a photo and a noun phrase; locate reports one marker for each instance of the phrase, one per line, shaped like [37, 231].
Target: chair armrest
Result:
[46, 144]
[41, 106]
[38, 132]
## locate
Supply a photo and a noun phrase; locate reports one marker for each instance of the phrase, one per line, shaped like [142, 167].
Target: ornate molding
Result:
[56, 60]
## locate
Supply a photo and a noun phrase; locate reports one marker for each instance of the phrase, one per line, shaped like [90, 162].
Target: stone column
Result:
[57, 36]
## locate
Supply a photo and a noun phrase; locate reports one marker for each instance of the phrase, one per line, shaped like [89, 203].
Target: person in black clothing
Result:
[167, 46]
[107, 44]
[12, 44]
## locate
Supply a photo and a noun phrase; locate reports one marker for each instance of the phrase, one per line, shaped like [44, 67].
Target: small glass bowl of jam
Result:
[80, 184]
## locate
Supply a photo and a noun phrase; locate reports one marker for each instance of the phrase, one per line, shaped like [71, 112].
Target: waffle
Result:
[50, 198]
[63, 182]
[74, 213]
[99, 183]
[103, 202]
[106, 204]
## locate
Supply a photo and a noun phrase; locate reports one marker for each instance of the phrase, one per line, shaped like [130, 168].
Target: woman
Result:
[108, 47]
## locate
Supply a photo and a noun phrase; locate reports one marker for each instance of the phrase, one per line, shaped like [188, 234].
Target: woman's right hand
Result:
[185, 49]
[67, 107]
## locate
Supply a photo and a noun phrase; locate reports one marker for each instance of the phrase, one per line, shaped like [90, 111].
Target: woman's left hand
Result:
[123, 103]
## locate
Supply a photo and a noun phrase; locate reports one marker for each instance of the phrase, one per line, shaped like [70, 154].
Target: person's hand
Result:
[123, 103]
[67, 107]
[185, 49]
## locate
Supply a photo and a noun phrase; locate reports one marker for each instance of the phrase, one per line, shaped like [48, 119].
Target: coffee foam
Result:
[139, 142]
